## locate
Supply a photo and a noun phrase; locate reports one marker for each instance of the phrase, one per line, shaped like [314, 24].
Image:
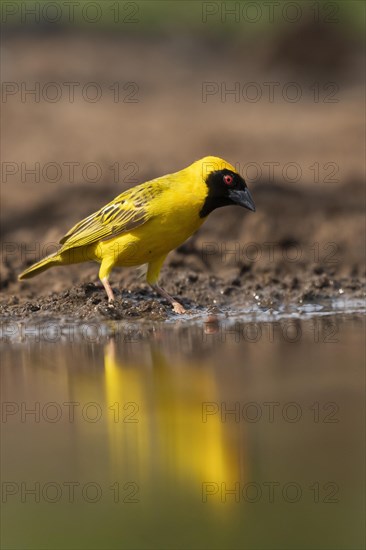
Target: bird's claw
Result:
[178, 308]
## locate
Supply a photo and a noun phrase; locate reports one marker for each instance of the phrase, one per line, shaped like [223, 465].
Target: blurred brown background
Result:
[130, 91]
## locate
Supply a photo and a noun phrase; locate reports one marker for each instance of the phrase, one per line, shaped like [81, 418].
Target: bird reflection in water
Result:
[162, 432]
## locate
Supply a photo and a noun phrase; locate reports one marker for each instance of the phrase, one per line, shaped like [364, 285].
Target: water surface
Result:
[219, 432]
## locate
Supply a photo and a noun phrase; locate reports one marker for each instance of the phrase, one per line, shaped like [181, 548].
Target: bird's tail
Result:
[42, 265]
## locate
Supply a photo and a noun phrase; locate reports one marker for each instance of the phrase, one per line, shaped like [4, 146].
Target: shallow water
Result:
[238, 431]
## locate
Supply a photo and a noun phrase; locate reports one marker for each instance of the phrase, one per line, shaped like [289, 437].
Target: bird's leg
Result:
[152, 277]
[177, 307]
[108, 289]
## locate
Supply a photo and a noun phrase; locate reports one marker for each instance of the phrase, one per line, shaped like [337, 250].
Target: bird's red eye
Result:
[228, 179]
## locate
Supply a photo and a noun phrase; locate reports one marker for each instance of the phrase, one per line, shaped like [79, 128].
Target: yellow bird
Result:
[143, 224]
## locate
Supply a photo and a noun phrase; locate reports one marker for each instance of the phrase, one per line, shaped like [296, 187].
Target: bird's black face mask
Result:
[226, 188]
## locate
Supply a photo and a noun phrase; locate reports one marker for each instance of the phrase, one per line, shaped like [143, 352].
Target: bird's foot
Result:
[178, 308]
[108, 289]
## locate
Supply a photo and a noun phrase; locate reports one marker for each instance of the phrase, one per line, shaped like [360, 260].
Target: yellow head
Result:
[206, 165]
[224, 186]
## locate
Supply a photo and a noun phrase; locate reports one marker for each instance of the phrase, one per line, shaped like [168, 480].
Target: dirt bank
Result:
[300, 246]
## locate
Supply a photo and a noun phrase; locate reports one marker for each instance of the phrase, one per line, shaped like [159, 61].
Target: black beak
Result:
[242, 197]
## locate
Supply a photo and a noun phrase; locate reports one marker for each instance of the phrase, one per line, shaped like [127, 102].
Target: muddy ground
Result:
[305, 243]
[299, 247]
